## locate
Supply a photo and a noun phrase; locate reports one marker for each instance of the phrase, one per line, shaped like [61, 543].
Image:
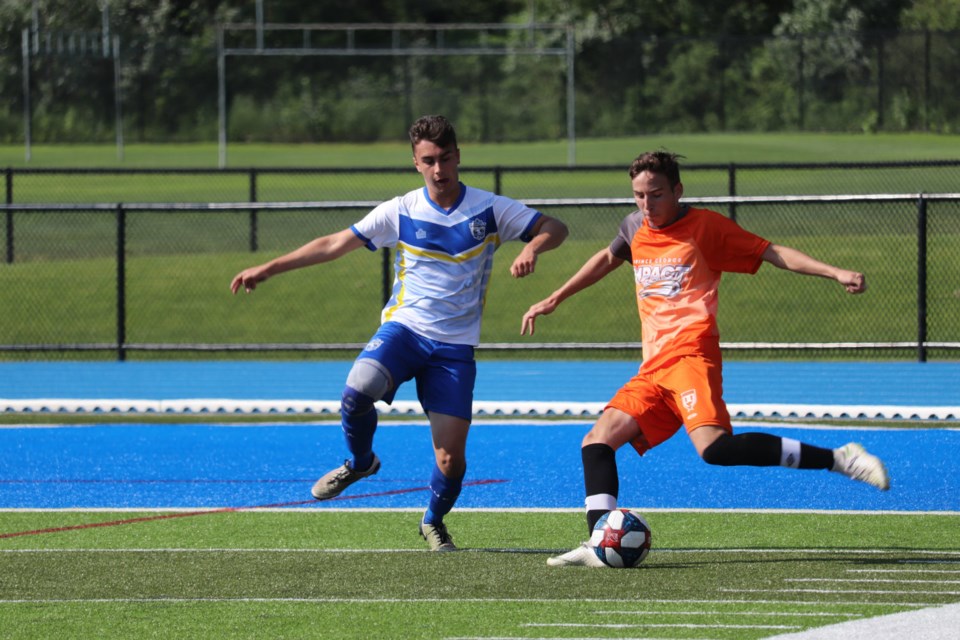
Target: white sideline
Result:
[937, 623]
[228, 406]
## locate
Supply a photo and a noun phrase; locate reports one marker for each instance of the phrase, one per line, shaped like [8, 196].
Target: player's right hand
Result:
[248, 279]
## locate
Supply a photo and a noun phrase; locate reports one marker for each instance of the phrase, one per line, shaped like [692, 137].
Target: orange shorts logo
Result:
[689, 399]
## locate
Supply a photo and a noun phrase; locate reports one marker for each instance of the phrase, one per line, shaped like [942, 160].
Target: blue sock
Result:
[444, 493]
[358, 430]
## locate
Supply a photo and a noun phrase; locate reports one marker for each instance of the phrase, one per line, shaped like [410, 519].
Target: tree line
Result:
[640, 67]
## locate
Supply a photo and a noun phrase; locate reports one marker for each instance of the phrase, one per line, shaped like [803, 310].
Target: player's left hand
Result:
[853, 281]
[524, 264]
[542, 308]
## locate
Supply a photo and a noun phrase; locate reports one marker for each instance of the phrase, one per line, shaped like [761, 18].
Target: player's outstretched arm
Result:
[799, 262]
[548, 233]
[592, 271]
[323, 249]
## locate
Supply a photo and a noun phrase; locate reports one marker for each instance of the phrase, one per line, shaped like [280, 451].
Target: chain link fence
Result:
[165, 91]
[82, 278]
[24, 185]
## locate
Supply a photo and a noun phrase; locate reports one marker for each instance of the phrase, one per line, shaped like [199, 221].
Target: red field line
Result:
[189, 514]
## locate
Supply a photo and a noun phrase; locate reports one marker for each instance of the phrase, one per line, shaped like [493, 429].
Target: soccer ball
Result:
[621, 538]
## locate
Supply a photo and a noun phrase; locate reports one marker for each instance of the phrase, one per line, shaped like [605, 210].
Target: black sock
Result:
[600, 481]
[766, 450]
[812, 457]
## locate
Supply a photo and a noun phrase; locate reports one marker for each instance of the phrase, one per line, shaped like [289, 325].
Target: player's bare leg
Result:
[449, 446]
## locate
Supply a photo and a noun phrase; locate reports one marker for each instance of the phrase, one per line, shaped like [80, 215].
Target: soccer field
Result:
[173, 528]
[356, 574]
[114, 531]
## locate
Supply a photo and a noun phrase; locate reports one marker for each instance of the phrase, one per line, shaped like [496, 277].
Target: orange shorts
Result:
[688, 392]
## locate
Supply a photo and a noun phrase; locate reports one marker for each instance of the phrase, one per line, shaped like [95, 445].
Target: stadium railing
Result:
[897, 228]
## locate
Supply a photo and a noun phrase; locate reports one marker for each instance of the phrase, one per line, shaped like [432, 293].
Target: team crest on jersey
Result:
[478, 228]
[421, 234]
[660, 280]
[689, 399]
[662, 288]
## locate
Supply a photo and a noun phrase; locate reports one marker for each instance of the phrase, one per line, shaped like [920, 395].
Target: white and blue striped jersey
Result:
[444, 258]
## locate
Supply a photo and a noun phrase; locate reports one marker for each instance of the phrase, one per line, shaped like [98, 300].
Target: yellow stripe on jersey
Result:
[401, 273]
[446, 257]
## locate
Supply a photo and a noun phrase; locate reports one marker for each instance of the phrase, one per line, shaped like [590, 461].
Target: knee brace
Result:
[354, 403]
[367, 382]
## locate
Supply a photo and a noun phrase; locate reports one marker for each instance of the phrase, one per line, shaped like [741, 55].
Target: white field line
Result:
[933, 623]
[784, 551]
[520, 422]
[855, 591]
[632, 601]
[949, 571]
[612, 625]
[872, 580]
[319, 509]
[667, 612]
[546, 638]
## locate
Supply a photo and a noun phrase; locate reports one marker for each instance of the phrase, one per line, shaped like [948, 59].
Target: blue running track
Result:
[829, 383]
[534, 465]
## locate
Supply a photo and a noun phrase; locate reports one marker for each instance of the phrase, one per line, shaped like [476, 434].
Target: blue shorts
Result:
[445, 373]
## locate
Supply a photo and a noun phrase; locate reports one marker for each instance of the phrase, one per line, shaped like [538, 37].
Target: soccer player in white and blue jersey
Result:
[445, 235]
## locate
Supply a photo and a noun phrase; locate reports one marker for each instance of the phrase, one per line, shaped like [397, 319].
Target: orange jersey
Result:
[677, 272]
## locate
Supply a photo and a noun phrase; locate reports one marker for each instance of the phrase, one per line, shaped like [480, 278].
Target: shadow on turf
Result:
[814, 555]
[515, 550]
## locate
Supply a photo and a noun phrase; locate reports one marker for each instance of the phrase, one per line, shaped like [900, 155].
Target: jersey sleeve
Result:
[620, 247]
[731, 248]
[514, 219]
[380, 227]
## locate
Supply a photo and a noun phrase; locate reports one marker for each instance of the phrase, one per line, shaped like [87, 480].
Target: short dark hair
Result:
[663, 162]
[435, 129]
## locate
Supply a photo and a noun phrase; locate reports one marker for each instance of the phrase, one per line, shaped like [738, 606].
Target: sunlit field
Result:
[364, 575]
[697, 148]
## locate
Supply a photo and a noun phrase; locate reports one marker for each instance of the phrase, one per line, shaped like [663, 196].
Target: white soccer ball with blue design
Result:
[621, 538]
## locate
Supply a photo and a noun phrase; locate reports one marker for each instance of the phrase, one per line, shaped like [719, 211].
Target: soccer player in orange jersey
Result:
[678, 254]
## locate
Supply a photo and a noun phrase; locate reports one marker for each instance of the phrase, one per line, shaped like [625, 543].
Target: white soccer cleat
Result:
[582, 556]
[437, 537]
[334, 482]
[853, 461]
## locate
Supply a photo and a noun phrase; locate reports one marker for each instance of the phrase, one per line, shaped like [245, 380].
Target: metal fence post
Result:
[27, 109]
[926, 79]
[921, 278]
[800, 104]
[253, 212]
[9, 181]
[732, 189]
[121, 282]
[880, 81]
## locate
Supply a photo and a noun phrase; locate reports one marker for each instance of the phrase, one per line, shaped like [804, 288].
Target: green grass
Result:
[364, 574]
[697, 148]
[185, 298]
[62, 286]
